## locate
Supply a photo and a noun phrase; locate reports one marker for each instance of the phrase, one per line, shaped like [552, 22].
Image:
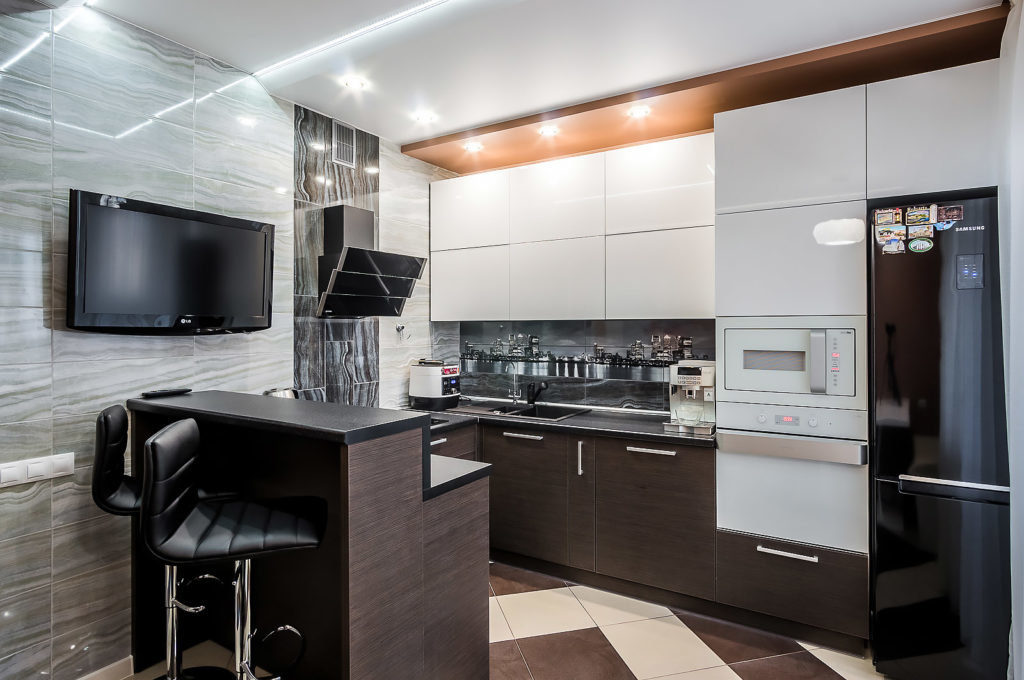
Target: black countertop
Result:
[447, 474]
[333, 422]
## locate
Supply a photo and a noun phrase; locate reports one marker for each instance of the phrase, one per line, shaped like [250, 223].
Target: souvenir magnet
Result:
[950, 213]
[920, 245]
[893, 247]
[920, 231]
[920, 215]
[888, 216]
[943, 226]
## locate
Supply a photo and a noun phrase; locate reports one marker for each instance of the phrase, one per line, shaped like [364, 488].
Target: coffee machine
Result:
[692, 397]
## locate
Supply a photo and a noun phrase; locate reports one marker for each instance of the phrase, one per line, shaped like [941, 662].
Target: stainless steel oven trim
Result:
[820, 449]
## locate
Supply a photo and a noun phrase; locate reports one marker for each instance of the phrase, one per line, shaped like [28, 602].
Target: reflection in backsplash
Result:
[613, 363]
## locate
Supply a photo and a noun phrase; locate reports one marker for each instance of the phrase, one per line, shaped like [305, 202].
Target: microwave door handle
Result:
[817, 370]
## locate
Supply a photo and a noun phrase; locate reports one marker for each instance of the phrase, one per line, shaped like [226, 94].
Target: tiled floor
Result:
[543, 628]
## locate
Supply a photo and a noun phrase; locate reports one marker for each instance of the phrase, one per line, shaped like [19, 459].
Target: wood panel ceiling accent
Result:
[688, 106]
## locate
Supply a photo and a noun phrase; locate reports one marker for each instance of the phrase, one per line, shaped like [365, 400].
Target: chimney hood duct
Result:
[353, 278]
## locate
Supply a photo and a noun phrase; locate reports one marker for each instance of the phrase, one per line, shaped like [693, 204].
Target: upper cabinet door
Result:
[934, 131]
[661, 274]
[558, 279]
[469, 285]
[663, 185]
[470, 211]
[557, 199]
[769, 264]
[802, 151]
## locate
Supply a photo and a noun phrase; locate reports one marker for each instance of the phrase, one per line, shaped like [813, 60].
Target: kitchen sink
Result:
[535, 411]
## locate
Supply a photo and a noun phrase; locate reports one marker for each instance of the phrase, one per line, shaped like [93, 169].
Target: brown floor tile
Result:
[507, 662]
[801, 666]
[576, 655]
[733, 642]
[508, 580]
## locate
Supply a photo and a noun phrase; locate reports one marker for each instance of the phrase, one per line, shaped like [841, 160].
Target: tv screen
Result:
[138, 267]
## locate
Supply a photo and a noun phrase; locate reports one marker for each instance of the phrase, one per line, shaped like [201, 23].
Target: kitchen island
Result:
[397, 589]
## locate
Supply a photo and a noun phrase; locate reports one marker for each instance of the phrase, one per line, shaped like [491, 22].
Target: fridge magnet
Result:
[888, 216]
[893, 247]
[943, 226]
[920, 245]
[922, 215]
[947, 213]
[920, 231]
[890, 232]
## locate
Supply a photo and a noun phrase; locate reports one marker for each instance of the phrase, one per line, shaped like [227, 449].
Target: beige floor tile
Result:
[847, 665]
[717, 673]
[608, 609]
[657, 647]
[543, 612]
[808, 645]
[499, 626]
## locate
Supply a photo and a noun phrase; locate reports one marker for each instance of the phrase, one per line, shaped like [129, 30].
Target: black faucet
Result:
[532, 392]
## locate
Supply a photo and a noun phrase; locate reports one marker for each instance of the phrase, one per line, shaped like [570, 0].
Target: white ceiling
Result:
[475, 62]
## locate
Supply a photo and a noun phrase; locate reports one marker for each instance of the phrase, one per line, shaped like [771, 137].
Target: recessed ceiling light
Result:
[548, 130]
[247, 122]
[424, 116]
[355, 82]
[639, 111]
[372, 171]
[473, 147]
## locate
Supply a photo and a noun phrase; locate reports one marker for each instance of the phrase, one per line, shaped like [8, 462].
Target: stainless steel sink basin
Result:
[545, 412]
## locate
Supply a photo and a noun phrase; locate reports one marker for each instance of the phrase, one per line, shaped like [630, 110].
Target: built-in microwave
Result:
[817, 361]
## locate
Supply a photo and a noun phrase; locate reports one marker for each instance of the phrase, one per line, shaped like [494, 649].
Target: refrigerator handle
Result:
[947, 488]
[817, 368]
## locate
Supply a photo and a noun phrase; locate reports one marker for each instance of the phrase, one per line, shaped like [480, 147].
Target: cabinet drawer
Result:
[460, 443]
[813, 585]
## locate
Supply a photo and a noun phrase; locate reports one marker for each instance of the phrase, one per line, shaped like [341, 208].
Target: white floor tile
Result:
[544, 612]
[608, 609]
[717, 673]
[499, 626]
[659, 647]
[847, 665]
[808, 645]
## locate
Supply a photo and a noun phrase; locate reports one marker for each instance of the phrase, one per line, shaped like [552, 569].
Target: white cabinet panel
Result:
[557, 199]
[800, 151]
[469, 285]
[769, 264]
[663, 185]
[661, 274]
[558, 279]
[934, 131]
[470, 211]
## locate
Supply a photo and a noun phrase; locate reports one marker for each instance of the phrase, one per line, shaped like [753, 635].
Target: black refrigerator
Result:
[940, 479]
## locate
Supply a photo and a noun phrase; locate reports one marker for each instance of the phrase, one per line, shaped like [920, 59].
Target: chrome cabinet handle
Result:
[783, 553]
[579, 459]
[439, 441]
[516, 435]
[659, 452]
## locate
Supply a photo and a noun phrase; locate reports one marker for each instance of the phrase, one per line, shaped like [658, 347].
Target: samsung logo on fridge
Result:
[977, 228]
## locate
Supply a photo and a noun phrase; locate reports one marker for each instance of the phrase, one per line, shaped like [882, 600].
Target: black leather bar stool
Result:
[181, 528]
[119, 494]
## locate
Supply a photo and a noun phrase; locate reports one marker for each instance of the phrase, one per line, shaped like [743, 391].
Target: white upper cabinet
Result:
[934, 131]
[557, 199]
[469, 285]
[558, 279]
[661, 274]
[663, 185]
[470, 211]
[769, 264]
[800, 151]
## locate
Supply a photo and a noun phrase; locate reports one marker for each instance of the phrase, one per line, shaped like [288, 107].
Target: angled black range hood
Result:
[354, 279]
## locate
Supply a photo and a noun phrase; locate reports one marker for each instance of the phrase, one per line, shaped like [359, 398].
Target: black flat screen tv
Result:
[145, 268]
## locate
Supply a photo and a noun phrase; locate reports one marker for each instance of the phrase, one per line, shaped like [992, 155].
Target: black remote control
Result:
[166, 393]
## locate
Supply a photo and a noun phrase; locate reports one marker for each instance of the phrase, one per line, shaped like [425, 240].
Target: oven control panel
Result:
[802, 420]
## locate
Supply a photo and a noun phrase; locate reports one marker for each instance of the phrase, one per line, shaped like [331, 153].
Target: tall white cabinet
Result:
[470, 211]
[556, 200]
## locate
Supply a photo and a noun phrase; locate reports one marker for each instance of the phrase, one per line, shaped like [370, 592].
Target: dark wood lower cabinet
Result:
[529, 491]
[582, 487]
[458, 443]
[656, 515]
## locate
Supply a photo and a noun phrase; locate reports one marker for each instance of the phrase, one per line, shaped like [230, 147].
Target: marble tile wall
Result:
[100, 105]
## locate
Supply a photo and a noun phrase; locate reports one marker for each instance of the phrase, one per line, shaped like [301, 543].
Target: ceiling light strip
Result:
[386, 21]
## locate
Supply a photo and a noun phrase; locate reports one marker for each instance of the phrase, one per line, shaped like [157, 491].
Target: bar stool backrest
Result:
[112, 490]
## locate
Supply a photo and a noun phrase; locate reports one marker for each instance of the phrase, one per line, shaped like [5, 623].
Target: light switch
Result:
[63, 464]
[38, 469]
[12, 474]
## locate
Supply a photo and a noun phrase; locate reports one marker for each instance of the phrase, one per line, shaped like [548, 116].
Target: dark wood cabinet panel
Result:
[656, 514]
[810, 584]
[460, 443]
[582, 474]
[529, 494]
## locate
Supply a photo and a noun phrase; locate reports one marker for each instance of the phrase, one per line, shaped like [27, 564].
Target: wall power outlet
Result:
[37, 469]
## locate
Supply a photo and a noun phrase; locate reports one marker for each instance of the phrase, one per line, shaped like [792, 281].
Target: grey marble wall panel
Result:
[214, 76]
[21, 31]
[25, 165]
[406, 238]
[94, 595]
[263, 124]
[24, 276]
[24, 335]
[72, 345]
[20, 441]
[253, 373]
[277, 339]
[321, 181]
[26, 620]
[24, 108]
[87, 546]
[59, 238]
[24, 510]
[244, 202]
[309, 351]
[25, 392]
[92, 647]
[72, 498]
[25, 222]
[28, 663]
[58, 284]
[309, 243]
[405, 186]
[357, 394]
[81, 387]
[71, 170]
[76, 434]
[25, 565]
